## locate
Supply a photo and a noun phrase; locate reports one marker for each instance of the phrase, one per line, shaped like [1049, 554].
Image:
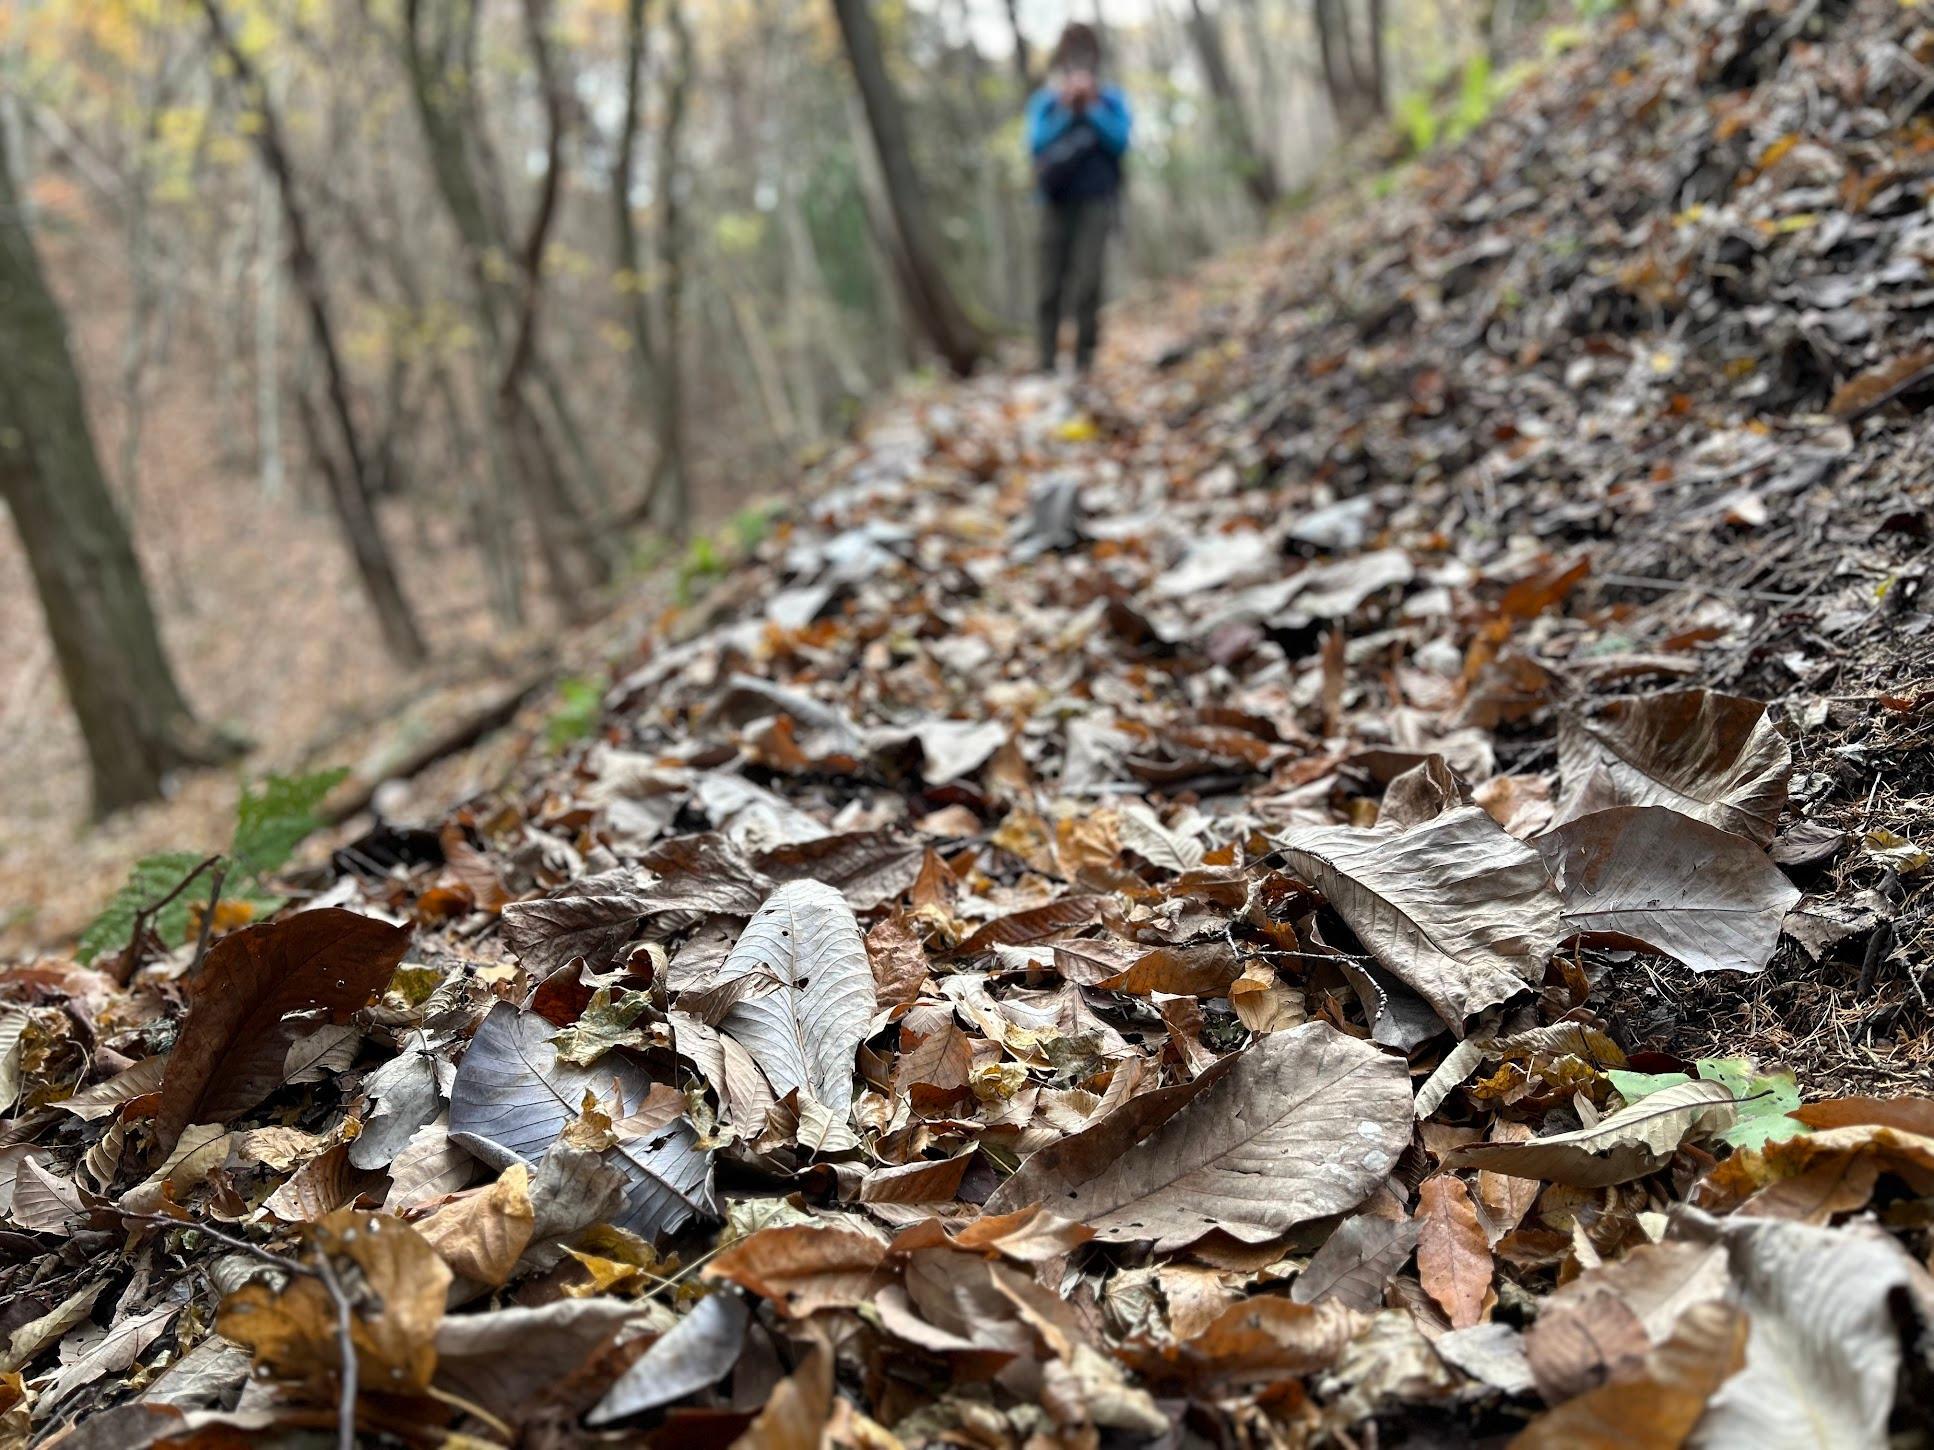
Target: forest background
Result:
[406, 330]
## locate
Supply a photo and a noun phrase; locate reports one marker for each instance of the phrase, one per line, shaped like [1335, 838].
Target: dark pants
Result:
[1074, 247]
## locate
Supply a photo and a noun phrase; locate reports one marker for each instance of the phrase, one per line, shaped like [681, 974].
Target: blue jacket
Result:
[1077, 157]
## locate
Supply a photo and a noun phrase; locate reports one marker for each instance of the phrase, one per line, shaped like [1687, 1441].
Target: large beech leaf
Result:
[1650, 877]
[1462, 913]
[513, 1095]
[1823, 1354]
[804, 1034]
[1716, 758]
[1624, 1145]
[232, 1048]
[590, 920]
[1301, 1125]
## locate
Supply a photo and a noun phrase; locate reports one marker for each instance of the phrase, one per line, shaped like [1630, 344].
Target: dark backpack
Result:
[1072, 164]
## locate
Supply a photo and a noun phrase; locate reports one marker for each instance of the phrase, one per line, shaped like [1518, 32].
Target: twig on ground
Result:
[130, 958]
[215, 881]
[345, 1348]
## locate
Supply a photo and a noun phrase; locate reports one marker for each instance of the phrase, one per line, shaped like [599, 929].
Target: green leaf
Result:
[270, 822]
[576, 715]
[604, 1024]
[152, 878]
[1764, 1099]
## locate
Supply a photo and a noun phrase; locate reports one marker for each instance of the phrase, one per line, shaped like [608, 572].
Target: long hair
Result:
[1079, 48]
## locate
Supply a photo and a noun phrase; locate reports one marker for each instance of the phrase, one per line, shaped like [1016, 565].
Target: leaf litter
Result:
[1296, 902]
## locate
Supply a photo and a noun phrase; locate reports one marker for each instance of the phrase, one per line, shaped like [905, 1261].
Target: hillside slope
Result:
[1291, 897]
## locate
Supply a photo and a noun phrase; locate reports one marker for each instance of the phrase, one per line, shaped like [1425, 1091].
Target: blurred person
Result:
[1077, 135]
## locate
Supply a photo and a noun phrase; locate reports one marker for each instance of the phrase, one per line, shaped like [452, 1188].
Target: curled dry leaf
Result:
[1660, 1406]
[1624, 1145]
[1649, 877]
[1716, 758]
[1456, 909]
[1302, 1124]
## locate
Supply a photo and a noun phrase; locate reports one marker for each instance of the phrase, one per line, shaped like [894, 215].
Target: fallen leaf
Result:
[1716, 758]
[1453, 1260]
[805, 1032]
[1302, 1124]
[1649, 877]
[234, 1042]
[1456, 909]
[697, 1351]
[1624, 1145]
[397, 1288]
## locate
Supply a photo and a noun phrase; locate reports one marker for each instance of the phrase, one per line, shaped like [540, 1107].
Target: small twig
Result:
[208, 916]
[267, 1256]
[684, 1273]
[131, 956]
[1646, 581]
[345, 1348]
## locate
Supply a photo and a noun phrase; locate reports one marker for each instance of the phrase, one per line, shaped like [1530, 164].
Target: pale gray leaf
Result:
[806, 1035]
[1823, 1354]
[1651, 876]
[513, 1096]
[1457, 909]
[1356, 1262]
[697, 1351]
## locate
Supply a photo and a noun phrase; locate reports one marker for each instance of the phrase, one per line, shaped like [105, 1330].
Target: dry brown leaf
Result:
[1302, 1124]
[1659, 1408]
[233, 1045]
[802, 1270]
[1459, 911]
[1648, 877]
[397, 1284]
[482, 1235]
[1716, 758]
[1453, 1259]
[1624, 1145]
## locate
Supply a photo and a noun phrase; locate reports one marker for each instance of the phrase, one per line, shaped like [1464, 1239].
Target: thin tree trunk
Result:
[133, 717]
[268, 346]
[1374, 78]
[353, 485]
[1258, 171]
[672, 483]
[931, 298]
[444, 98]
[1023, 60]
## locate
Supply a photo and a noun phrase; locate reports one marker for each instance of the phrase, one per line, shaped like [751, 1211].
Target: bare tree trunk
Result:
[352, 487]
[1258, 171]
[930, 296]
[443, 91]
[1374, 75]
[1023, 61]
[133, 716]
[268, 346]
[672, 482]
[1355, 84]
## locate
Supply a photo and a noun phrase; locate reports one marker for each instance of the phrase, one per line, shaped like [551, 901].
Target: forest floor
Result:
[1471, 656]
